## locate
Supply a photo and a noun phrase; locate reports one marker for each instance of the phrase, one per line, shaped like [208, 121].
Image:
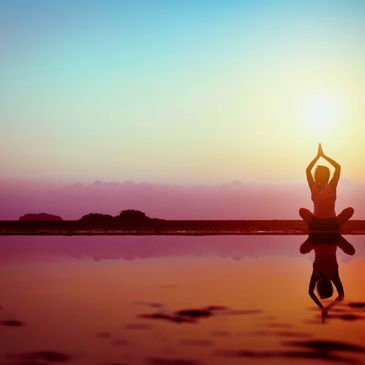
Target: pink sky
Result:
[225, 201]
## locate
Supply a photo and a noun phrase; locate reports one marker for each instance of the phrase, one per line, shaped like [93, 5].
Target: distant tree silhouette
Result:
[132, 214]
[96, 218]
[40, 217]
[125, 215]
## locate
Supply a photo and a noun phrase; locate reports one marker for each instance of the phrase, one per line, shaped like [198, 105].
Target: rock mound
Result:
[40, 217]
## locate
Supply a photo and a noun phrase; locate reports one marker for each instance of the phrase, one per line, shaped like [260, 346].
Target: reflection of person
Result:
[325, 266]
[323, 192]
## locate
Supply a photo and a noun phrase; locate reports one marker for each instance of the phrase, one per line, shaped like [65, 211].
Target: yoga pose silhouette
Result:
[323, 191]
[325, 267]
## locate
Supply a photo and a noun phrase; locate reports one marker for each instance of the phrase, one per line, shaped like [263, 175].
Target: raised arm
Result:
[311, 293]
[338, 284]
[336, 175]
[309, 168]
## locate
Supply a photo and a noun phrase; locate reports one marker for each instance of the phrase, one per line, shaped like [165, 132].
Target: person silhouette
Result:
[325, 267]
[323, 194]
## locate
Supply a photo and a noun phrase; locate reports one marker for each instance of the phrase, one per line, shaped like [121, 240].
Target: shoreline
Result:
[156, 227]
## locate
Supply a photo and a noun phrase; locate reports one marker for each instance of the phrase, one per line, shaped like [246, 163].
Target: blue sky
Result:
[176, 91]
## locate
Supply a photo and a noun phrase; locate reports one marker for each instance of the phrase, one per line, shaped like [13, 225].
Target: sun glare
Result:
[320, 113]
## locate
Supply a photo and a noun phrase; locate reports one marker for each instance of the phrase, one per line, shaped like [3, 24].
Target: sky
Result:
[180, 92]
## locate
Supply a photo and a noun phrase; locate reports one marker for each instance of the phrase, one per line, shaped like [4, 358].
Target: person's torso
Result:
[324, 201]
[325, 261]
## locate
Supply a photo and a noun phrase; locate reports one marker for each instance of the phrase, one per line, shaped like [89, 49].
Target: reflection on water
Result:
[325, 268]
[182, 300]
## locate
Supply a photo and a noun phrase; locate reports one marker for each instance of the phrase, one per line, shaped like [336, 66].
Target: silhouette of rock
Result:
[129, 215]
[132, 214]
[168, 317]
[38, 357]
[40, 217]
[96, 218]
[293, 354]
[195, 314]
[12, 323]
[327, 345]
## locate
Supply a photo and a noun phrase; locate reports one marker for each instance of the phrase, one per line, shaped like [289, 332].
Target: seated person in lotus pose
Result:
[325, 266]
[323, 192]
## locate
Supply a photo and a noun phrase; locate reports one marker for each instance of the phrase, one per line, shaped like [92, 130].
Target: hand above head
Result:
[312, 164]
[336, 165]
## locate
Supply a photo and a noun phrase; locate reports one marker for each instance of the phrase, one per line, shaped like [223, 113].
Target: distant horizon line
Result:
[185, 184]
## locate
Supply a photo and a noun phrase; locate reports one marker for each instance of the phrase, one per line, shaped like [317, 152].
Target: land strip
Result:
[168, 227]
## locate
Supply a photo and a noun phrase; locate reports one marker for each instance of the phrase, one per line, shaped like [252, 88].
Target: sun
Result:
[319, 113]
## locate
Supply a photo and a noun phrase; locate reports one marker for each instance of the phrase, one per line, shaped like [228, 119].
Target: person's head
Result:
[321, 175]
[324, 288]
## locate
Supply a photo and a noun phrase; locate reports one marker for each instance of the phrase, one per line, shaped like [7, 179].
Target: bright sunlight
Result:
[320, 113]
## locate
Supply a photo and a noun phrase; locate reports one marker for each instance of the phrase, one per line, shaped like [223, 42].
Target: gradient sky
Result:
[180, 91]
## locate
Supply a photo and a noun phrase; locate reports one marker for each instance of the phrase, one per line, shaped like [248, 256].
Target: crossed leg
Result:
[343, 217]
[306, 214]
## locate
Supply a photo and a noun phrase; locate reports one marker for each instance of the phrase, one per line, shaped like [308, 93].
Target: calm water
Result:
[176, 301]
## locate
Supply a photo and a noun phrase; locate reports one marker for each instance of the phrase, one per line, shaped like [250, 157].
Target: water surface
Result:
[174, 301]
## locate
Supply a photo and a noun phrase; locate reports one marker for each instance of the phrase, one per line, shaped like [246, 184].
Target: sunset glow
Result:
[182, 182]
[322, 113]
[180, 92]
